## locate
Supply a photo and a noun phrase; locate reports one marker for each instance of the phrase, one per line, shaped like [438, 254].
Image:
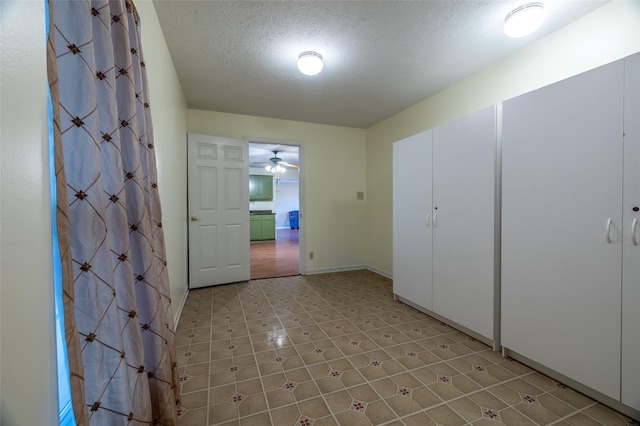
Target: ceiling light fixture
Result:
[524, 20]
[275, 168]
[310, 63]
[274, 165]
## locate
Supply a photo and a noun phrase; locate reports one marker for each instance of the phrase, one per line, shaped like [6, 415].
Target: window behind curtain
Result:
[65, 410]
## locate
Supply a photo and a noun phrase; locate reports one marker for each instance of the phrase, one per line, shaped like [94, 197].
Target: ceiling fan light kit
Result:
[275, 168]
[524, 20]
[276, 165]
[310, 63]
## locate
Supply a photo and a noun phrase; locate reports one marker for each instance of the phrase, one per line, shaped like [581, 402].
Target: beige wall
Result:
[169, 115]
[28, 384]
[333, 170]
[607, 34]
[341, 231]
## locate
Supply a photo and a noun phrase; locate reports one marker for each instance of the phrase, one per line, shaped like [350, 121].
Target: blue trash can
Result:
[293, 219]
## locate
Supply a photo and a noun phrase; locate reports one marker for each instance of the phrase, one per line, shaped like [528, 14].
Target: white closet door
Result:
[464, 165]
[562, 189]
[631, 243]
[412, 219]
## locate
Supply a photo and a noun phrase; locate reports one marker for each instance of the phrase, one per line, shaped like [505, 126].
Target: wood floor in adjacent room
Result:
[279, 258]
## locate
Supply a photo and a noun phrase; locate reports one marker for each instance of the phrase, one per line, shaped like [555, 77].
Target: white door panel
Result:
[235, 240]
[412, 219]
[631, 251]
[206, 200]
[233, 191]
[219, 210]
[464, 165]
[205, 240]
[561, 183]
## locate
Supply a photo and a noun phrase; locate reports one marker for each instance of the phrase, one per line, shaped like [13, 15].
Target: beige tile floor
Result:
[338, 349]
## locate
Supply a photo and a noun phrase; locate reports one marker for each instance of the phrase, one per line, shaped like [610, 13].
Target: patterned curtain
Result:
[118, 316]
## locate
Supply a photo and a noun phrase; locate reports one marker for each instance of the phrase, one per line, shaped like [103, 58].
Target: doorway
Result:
[219, 252]
[277, 257]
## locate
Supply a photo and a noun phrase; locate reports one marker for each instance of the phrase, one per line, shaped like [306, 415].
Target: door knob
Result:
[194, 218]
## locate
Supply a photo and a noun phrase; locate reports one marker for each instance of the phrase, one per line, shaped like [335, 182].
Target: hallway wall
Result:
[334, 220]
[28, 382]
[605, 35]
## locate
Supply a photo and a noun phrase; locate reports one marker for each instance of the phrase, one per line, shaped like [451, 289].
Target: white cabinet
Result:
[412, 205]
[631, 237]
[464, 179]
[444, 222]
[566, 229]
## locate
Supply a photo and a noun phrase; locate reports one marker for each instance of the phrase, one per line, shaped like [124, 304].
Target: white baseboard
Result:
[339, 269]
[380, 272]
[350, 268]
[178, 312]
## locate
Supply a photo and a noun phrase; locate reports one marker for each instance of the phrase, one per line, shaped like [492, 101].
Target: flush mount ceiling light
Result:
[524, 20]
[310, 63]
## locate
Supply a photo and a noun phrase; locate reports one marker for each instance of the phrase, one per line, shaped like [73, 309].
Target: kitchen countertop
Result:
[252, 212]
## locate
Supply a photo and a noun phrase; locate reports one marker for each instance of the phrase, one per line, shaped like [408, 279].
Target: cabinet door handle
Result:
[427, 220]
[435, 220]
[634, 226]
[609, 231]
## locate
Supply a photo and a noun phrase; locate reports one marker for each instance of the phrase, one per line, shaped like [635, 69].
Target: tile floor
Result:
[338, 349]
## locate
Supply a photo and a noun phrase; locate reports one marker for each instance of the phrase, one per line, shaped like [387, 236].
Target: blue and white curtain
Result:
[118, 316]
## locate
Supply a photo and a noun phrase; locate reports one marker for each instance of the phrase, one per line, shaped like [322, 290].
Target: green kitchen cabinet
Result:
[262, 227]
[269, 227]
[255, 227]
[260, 188]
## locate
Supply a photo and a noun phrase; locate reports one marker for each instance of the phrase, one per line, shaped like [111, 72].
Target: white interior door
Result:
[561, 226]
[412, 219]
[218, 172]
[631, 237]
[464, 166]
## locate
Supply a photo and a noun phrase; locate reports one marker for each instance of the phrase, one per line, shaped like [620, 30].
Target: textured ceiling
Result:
[380, 56]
